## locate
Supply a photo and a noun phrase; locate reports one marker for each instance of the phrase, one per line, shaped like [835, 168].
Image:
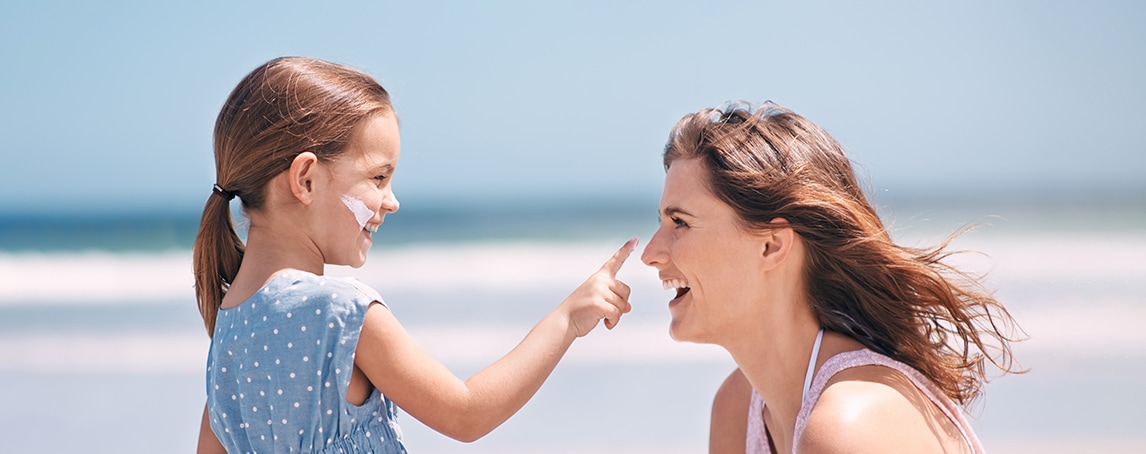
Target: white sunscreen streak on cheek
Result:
[362, 214]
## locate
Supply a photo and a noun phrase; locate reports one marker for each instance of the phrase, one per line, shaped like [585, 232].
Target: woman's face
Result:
[361, 193]
[702, 253]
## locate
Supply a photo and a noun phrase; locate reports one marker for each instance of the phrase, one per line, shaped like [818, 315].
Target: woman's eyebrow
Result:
[672, 210]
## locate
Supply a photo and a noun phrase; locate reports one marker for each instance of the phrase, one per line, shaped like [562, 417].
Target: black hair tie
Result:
[223, 192]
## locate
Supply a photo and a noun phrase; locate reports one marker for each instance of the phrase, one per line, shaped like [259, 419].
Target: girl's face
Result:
[701, 251]
[360, 192]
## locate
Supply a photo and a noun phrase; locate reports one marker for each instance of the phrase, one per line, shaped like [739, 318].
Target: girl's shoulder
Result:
[294, 288]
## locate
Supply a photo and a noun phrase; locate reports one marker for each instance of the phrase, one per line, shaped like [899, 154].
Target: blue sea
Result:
[102, 348]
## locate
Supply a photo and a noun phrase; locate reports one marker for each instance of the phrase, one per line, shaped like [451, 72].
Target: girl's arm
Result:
[208, 442]
[467, 410]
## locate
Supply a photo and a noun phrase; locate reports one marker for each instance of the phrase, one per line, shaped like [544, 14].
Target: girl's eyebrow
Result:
[384, 168]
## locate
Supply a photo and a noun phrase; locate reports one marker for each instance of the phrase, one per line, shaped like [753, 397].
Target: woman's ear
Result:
[778, 242]
[301, 176]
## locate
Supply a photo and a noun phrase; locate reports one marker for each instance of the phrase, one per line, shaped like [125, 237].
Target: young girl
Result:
[301, 362]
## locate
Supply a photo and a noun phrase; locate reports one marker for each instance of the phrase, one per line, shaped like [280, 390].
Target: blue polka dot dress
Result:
[280, 365]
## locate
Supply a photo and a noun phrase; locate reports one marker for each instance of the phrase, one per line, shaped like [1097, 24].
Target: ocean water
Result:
[102, 349]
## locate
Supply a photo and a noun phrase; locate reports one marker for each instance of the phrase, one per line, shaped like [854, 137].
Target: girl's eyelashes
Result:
[678, 222]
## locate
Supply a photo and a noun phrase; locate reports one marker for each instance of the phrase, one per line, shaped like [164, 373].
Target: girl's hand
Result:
[600, 296]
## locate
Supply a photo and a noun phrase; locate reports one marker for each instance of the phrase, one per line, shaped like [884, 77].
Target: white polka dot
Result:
[276, 361]
[288, 315]
[331, 324]
[255, 409]
[300, 431]
[296, 405]
[233, 397]
[328, 411]
[262, 393]
[241, 395]
[248, 379]
[327, 384]
[264, 348]
[304, 297]
[305, 359]
[304, 328]
[280, 392]
[264, 318]
[230, 353]
[329, 354]
[276, 331]
[337, 370]
[317, 311]
[256, 364]
[310, 388]
[284, 421]
[277, 301]
[292, 375]
[333, 295]
[290, 344]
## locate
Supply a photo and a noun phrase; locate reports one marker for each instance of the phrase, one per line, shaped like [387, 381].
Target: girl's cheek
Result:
[362, 212]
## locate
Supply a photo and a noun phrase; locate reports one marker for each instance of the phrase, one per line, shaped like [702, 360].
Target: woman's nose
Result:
[654, 254]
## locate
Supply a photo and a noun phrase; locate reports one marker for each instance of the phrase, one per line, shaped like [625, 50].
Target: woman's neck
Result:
[775, 363]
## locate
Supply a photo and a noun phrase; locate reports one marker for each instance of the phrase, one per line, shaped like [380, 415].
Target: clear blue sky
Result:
[111, 104]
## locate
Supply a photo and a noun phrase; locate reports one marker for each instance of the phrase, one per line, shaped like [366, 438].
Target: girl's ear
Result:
[301, 176]
[778, 242]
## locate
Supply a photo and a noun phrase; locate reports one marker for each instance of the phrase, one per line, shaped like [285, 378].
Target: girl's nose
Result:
[390, 203]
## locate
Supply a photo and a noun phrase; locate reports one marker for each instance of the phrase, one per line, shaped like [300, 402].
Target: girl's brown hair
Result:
[899, 301]
[282, 108]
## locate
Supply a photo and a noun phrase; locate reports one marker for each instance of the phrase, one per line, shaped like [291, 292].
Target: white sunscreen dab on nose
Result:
[362, 214]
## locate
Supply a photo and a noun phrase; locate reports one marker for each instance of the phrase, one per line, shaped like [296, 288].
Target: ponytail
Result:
[218, 252]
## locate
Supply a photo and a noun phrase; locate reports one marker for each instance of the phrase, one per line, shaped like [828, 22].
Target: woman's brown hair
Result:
[903, 302]
[282, 108]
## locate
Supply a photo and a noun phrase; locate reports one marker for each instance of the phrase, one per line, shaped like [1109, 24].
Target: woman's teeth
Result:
[674, 284]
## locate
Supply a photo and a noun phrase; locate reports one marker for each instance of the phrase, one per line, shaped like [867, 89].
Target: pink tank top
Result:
[757, 440]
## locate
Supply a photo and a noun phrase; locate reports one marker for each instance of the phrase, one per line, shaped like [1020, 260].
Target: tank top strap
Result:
[865, 357]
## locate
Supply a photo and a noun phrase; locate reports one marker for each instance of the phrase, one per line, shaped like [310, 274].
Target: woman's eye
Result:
[679, 222]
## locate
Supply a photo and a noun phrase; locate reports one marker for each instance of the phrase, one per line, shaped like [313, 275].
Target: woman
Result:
[845, 341]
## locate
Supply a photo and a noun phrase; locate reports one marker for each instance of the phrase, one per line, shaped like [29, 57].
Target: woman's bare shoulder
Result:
[729, 425]
[876, 409]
